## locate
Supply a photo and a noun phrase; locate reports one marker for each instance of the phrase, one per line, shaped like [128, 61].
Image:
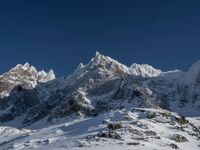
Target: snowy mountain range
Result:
[102, 103]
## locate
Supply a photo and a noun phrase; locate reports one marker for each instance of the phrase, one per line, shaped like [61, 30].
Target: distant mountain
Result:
[25, 75]
[140, 97]
[99, 86]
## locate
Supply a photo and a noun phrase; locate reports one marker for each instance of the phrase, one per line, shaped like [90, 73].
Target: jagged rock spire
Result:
[25, 75]
[97, 53]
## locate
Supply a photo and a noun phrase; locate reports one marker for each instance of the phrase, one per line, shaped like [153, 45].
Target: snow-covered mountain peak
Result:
[98, 58]
[106, 101]
[50, 76]
[25, 75]
[97, 53]
[144, 70]
[28, 71]
[107, 63]
[22, 67]
[26, 65]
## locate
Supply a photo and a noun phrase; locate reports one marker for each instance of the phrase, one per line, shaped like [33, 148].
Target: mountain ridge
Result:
[95, 86]
[101, 102]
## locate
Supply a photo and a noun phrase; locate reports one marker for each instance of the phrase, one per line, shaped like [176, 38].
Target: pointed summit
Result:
[21, 68]
[45, 77]
[51, 75]
[98, 57]
[103, 64]
[25, 75]
[97, 53]
[26, 65]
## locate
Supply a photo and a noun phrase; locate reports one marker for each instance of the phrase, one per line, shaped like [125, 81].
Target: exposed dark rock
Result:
[18, 103]
[102, 134]
[36, 113]
[138, 110]
[135, 131]
[102, 106]
[174, 146]
[166, 114]
[133, 143]
[76, 102]
[140, 138]
[181, 120]
[114, 126]
[151, 115]
[150, 133]
[6, 117]
[109, 134]
[179, 138]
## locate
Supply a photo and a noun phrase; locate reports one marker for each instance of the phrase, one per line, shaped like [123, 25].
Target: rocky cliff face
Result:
[25, 76]
[101, 85]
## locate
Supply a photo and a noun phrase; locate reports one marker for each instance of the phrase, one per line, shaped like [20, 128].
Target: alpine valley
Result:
[103, 105]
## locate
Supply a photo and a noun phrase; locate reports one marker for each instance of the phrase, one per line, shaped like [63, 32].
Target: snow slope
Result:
[138, 132]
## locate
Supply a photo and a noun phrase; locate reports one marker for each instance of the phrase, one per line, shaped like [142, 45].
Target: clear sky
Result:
[59, 34]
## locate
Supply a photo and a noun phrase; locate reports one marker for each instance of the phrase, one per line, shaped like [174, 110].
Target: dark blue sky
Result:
[60, 34]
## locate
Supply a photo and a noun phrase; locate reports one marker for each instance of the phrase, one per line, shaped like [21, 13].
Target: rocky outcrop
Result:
[23, 75]
[179, 138]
